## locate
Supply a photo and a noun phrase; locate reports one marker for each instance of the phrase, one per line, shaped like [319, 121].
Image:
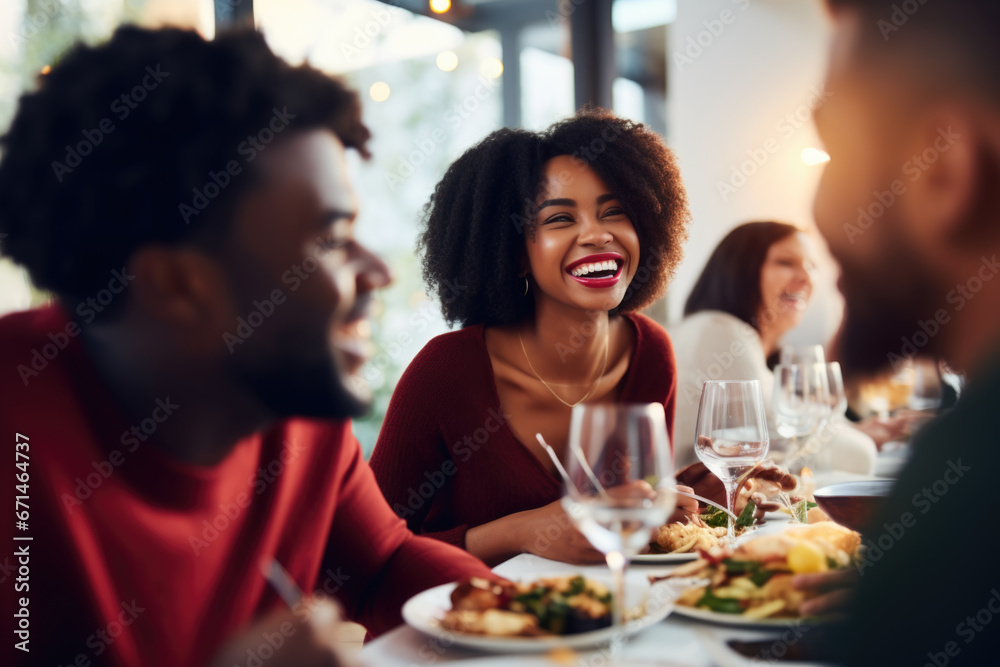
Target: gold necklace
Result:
[607, 345]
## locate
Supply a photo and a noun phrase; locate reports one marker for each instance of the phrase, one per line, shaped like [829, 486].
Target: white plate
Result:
[664, 558]
[424, 611]
[739, 620]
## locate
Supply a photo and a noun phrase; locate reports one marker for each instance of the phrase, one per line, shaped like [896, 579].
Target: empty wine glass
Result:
[731, 436]
[836, 399]
[620, 481]
[801, 404]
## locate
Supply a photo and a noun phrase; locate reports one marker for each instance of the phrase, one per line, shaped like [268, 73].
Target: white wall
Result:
[752, 64]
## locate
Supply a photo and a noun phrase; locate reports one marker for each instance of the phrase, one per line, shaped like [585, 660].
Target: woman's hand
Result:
[898, 427]
[836, 589]
[762, 485]
[686, 506]
[767, 478]
[306, 636]
[546, 531]
[549, 532]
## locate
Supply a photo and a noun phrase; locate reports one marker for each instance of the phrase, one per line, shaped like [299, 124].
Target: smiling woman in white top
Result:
[753, 290]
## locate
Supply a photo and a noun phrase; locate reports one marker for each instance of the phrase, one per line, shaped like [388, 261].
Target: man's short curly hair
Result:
[481, 211]
[70, 222]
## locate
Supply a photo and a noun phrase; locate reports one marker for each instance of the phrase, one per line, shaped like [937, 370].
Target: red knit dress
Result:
[446, 459]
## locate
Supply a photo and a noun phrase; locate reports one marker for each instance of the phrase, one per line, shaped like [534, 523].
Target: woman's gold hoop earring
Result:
[525, 286]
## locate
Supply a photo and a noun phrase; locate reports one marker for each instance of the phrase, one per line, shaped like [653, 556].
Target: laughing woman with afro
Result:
[544, 247]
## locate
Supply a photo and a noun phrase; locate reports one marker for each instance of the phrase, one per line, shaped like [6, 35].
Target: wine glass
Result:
[802, 354]
[801, 404]
[620, 482]
[731, 436]
[837, 398]
[927, 390]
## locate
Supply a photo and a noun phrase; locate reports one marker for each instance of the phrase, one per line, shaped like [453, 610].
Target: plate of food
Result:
[752, 585]
[539, 615]
[682, 541]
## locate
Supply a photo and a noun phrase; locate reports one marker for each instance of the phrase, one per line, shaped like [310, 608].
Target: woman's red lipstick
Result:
[598, 283]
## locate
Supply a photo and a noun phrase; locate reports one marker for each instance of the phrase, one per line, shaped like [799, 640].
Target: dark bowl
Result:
[854, 504]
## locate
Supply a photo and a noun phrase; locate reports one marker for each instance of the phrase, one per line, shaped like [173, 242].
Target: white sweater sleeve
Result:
[712, 345]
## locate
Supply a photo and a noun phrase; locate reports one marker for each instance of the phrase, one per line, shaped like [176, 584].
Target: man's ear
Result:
[178, 285]
[948, 182]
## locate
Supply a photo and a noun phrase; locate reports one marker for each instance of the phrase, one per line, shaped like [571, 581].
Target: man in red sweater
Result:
[180, 414]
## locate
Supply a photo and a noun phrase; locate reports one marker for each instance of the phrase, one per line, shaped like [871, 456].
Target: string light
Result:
[440, 6]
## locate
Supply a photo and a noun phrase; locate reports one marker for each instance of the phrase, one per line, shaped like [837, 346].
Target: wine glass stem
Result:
[616, 563]
[731, 490]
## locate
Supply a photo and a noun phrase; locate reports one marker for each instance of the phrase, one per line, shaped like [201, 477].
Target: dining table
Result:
[674, 642]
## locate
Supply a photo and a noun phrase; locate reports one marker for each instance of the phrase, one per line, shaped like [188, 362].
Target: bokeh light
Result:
[379, 91]
[447, 60]
[491, 68]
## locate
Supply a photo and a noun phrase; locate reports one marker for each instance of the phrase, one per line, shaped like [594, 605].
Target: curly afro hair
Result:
[99, 159]
[481, 211]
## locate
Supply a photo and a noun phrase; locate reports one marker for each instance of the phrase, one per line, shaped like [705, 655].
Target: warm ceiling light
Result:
[440, 6]
[379, 91]
[447, 61]
[46, 69]
[813, 156]
[491, 68]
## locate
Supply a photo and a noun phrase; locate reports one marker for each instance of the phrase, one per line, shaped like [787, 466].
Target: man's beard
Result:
[885, 305]
[292, 384]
